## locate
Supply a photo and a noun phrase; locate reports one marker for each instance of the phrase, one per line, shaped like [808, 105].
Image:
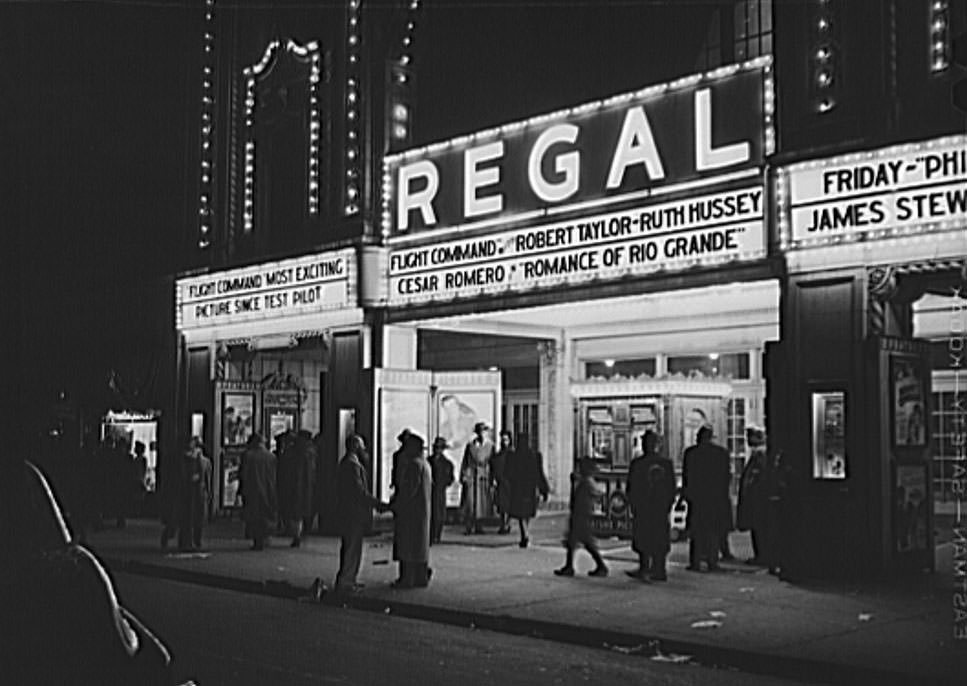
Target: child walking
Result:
[584, 489]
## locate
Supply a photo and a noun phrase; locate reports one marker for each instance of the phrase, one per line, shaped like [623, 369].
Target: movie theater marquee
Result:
[642, 182]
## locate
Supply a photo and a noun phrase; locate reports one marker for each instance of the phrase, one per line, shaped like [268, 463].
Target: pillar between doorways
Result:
[556, 416]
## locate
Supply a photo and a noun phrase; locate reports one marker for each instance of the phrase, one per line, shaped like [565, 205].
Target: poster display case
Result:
[612, 417]
[829, 435]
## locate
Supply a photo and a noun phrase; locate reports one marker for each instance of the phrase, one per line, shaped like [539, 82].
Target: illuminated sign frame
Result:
[890, 193]
[522, 170]
[707, 230]
[268, 291]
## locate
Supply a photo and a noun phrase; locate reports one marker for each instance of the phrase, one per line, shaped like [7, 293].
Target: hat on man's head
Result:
[755, 433]
[705, 432]
[440, 442]
[403, 434]
[481, 426]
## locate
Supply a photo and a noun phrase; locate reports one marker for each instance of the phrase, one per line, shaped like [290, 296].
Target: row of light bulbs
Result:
[205, 214]
[824, 59]
[353, 41]
[939, 36]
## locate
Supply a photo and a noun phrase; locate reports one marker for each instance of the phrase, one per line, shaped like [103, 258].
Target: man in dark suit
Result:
[705, 483]
[355, 512]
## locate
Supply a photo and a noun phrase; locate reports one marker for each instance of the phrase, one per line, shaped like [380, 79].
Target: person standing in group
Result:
[781, 527]
[355, 506]
[441, 472]
[752, 511]
[501, 487]
[297, 483]
[121, 480]
[397, 457]
[584, 490]
[257, 487]
[525, 478]
[475, 479]
[284, 476]
[410, 505]
[172, 498]
[651, 493]
[140, 476]
[705, 484]
[196, 475]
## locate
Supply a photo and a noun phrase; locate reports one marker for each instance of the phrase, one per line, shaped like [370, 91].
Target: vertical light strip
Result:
[825, 58]
[939, 36]
[315, 126]
[352, 104]
[206, 185]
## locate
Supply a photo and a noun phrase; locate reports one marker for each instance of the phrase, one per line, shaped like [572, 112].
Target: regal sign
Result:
[618, 149]
[303, 285]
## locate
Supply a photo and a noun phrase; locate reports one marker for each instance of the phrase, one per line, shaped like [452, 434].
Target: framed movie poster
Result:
[829, 435]
[238, 411]
[907, 402]
[231, 466]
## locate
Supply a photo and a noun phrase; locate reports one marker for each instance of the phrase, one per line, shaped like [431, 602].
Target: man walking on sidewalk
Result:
[584, 490]
[355, 512]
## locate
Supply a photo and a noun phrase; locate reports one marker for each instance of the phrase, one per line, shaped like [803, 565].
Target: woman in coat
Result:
[411, 510]
[524, 474]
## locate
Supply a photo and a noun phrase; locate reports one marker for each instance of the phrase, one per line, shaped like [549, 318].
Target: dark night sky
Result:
[95, 134]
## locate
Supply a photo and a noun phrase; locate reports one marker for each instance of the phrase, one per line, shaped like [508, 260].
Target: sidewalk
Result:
[741, 617]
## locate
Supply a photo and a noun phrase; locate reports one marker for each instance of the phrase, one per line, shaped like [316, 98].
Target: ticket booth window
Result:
[829, 435]
[601, 434]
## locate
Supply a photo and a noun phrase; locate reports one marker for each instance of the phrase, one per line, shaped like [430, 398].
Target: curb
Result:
[799, 669]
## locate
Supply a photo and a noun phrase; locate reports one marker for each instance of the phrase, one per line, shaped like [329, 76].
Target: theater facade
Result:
[687, 253]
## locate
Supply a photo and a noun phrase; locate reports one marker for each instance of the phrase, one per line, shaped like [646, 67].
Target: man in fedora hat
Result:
[705, 485]
[441, 470]
[475, 479]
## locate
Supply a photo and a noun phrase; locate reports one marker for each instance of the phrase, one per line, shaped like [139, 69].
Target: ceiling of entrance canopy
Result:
[599, 317]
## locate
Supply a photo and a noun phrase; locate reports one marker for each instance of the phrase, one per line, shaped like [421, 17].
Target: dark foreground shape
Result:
[61, 618]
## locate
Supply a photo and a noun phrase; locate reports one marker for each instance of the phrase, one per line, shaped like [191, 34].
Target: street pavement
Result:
[897, 631]
[224, 638]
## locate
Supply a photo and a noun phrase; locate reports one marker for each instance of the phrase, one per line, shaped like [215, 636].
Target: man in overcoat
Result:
[651, 494]
[298, 484]
[257, 486]
[476, 480]
[752, 511]
[196, 476]
[410, 505]
[705, 483]
[501, 485]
